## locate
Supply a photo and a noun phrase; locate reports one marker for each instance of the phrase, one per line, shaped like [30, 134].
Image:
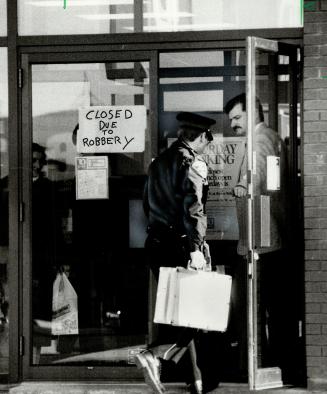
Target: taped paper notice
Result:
[91, 177]
[111, 129]
[273, 173]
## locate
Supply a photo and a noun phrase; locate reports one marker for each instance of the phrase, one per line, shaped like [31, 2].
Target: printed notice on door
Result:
[111, 129]
[91, 177]
[224, 157]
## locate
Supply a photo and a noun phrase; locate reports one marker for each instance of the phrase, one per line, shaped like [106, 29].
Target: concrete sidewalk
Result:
[135, 388]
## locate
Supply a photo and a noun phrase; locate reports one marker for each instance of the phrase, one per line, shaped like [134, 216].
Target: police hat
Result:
[195, 120]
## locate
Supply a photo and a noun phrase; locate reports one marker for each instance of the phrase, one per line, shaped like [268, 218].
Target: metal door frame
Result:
[50, 54]
[255, 378]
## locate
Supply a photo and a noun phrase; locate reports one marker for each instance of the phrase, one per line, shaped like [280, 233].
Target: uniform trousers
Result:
[167, 248]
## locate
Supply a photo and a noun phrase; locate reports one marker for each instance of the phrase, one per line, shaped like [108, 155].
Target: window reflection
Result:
[170, 15]
[40, 17]
[90, 247]
[4, 213]
[3, 17]
[47, 247]
[204, 82]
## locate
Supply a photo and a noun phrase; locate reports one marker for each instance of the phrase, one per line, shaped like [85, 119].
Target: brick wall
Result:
[315, 190]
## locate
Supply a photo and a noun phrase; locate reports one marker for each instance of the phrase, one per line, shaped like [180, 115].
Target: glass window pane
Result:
[184, 15]
[98, 243]
[3, 17]
[203, 82]
[4, 213]
[40, 17]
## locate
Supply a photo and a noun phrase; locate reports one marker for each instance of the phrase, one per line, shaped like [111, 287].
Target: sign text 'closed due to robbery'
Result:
[111, 129]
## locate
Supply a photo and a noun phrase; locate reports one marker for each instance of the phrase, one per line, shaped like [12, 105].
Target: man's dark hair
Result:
[241, 99]
[40, 149]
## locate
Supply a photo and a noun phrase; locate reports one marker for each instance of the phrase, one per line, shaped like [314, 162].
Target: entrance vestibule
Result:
[98, 243]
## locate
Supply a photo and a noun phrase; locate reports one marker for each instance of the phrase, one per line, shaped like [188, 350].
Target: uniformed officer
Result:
[174, 201]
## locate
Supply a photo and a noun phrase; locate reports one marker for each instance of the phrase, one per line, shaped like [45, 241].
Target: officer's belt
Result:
[164, 229]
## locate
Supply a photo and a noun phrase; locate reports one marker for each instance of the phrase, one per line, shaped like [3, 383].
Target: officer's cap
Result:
[195, 120]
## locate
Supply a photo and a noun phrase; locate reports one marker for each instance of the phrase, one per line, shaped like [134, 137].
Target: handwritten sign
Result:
[91, 177]
[111, 129]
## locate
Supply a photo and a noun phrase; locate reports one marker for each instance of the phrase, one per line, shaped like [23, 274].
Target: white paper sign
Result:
[91, 177]
[273, 173]
[111, 129]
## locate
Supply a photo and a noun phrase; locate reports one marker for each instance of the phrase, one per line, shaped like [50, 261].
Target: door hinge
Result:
[20, 78]
[21, 211]
[21, 345]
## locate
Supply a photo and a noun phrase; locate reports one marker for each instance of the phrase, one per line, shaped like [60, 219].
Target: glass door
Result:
[89, 134]
[268, 351]
[272, 206]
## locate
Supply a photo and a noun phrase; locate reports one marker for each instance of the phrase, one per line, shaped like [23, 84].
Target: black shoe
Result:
[151, 370]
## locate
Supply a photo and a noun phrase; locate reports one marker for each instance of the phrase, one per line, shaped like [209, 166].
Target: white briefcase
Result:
[197, 299]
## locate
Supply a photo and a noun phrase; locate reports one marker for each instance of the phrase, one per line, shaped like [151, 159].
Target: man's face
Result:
[238, 120]
[37, 164]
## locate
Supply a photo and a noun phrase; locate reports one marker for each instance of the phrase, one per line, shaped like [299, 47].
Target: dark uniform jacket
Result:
[175, 192]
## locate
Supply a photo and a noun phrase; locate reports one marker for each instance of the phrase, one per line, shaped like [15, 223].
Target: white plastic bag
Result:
[64, 307]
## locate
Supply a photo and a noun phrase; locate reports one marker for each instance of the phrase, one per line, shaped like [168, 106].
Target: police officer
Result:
[174, 201]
